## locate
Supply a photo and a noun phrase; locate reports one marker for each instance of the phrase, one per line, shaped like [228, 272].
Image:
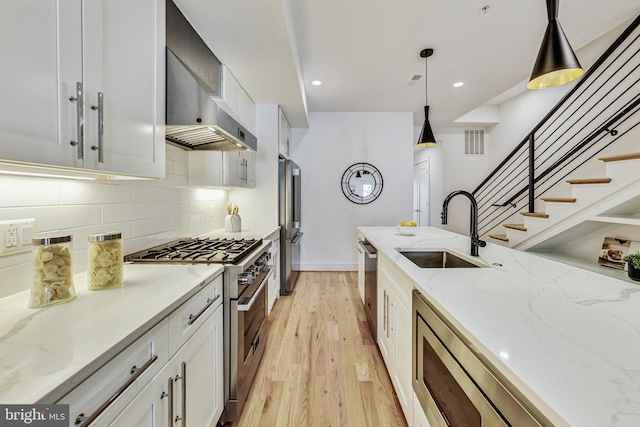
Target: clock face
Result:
[362, 183]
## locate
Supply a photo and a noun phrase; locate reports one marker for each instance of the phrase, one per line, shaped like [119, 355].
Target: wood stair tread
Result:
[589, 181]
[502, 237]
[628, 156]
[519, 227]
[558, 199]
[535, 214]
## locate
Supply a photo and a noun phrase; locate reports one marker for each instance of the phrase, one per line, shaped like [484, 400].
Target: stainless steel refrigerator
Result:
[289, 214]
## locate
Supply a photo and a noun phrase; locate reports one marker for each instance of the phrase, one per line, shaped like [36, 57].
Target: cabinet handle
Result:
[170, 396]
[79, 100]
[135, 372]
[183, 377]
[384, 312]
[194, 317]
[100, 146]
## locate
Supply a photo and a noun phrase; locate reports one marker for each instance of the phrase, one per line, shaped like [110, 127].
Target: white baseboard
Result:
[328, 266]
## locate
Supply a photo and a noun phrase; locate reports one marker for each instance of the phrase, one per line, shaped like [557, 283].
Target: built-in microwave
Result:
[452, 384]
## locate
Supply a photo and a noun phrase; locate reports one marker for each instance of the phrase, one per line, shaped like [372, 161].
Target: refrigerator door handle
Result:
[296, 238]
[295, 224]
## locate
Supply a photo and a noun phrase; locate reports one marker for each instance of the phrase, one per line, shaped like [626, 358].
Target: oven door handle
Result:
[247, 306]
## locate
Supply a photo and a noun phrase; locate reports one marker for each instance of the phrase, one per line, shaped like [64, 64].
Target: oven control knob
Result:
[245, 278]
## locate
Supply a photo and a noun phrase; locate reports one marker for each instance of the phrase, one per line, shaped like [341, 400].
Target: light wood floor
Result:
[321, 366]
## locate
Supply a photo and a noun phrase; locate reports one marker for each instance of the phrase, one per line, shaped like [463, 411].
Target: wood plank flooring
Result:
[321, 366]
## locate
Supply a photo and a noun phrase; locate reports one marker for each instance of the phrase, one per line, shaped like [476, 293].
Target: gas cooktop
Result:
[197, 250]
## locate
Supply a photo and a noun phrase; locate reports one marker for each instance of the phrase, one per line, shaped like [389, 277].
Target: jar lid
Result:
[39, 241]
[104, 237]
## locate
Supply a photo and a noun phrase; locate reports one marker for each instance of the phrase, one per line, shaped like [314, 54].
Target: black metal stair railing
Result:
[601, 108]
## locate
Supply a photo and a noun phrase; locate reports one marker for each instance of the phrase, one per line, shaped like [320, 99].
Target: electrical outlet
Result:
[16, 235]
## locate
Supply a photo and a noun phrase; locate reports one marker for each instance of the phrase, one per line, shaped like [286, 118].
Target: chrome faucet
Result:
[475, 240]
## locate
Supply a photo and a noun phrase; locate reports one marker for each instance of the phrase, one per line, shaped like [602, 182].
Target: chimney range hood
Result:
[194, 78]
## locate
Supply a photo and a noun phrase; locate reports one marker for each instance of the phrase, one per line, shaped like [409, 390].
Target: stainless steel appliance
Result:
[194, 78]
[453, 382]
[370, 258]
[289, 213]
[247, 269]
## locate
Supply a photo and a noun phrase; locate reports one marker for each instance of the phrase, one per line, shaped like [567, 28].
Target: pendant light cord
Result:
[426, 81]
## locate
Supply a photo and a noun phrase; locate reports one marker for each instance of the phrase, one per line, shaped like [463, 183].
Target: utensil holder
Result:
[232, 223]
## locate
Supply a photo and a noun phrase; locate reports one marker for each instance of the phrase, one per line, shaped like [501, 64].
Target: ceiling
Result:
[366, 52]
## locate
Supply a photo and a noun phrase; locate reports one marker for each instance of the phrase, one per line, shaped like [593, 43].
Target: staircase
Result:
[590, 199]
[580, 163]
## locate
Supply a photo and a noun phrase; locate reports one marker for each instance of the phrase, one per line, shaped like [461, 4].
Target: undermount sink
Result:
[438, 259]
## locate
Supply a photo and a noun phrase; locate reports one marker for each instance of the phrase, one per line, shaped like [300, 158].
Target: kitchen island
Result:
[566, 338]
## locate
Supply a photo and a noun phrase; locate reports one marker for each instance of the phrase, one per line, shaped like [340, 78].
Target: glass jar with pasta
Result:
[52, 271]
[104, 269]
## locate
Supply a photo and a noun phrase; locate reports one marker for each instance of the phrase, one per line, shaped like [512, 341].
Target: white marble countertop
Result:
[566, 337]
[44, 351]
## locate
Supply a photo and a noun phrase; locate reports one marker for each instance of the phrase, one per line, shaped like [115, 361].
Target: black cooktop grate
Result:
[196, 250]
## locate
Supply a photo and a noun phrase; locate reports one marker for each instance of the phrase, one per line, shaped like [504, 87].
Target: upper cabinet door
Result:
[41, 53]
[124, 75]
[82, 84]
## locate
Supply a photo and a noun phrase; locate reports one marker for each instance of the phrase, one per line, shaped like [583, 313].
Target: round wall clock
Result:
[362, 183]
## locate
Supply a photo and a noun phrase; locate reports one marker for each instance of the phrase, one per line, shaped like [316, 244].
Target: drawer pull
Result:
[87, 420]
[194, 317]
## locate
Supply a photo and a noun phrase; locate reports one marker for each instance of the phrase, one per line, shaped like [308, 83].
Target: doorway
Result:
[421, 193]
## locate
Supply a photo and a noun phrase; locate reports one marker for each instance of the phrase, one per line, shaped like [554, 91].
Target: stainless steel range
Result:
[247, 269]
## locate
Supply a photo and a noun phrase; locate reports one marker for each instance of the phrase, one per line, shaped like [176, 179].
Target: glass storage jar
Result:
[52, 271]
[104, 269]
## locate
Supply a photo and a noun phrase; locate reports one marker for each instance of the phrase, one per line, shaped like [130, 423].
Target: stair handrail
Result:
[517, 152]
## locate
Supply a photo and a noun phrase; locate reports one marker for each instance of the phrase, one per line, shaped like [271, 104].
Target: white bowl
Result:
[407, 230]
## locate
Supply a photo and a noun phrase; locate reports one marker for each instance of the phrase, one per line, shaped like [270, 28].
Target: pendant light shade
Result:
[556, 63]
[427, 139]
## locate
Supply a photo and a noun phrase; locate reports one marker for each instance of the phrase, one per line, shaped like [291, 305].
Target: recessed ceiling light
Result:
[458, 84]
[316, 82]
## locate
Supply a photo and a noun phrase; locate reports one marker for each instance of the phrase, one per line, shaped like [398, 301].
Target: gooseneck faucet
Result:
[475, 240]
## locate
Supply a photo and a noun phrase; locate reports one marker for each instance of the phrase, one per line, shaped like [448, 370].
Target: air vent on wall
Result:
[474, 142]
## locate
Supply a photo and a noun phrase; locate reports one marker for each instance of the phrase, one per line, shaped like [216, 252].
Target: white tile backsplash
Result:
[147, 213]
[28, 192]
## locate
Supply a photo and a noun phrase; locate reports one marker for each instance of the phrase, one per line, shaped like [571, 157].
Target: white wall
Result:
[333, 142]
[450, 170]
[146, 212]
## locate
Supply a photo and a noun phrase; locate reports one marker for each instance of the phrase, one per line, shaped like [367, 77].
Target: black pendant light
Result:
[427, 139]
[556, 63]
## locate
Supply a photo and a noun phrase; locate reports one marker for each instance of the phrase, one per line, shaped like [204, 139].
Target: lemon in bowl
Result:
[407, 228]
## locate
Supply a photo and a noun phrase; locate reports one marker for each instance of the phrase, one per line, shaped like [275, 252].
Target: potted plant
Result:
[633, 265]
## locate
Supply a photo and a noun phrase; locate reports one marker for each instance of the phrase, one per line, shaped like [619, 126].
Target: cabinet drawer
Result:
[187, 318]
[103, 395]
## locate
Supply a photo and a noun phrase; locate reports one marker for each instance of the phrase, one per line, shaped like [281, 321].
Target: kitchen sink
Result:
[439, 259]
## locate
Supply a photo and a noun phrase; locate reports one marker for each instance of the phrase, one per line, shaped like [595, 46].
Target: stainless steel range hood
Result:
[194, 120]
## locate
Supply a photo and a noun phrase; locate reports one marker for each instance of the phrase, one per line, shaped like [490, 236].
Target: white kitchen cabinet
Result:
[84, 86]
[274, 280]
[238, 169]
[42, 61]
[222, 169]
[198, 375]
[189, 389]
[284, 135]
[394, 334]
[106, 392]
[182, 356]
[151, 407]
[361, 273]
[236, 101]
